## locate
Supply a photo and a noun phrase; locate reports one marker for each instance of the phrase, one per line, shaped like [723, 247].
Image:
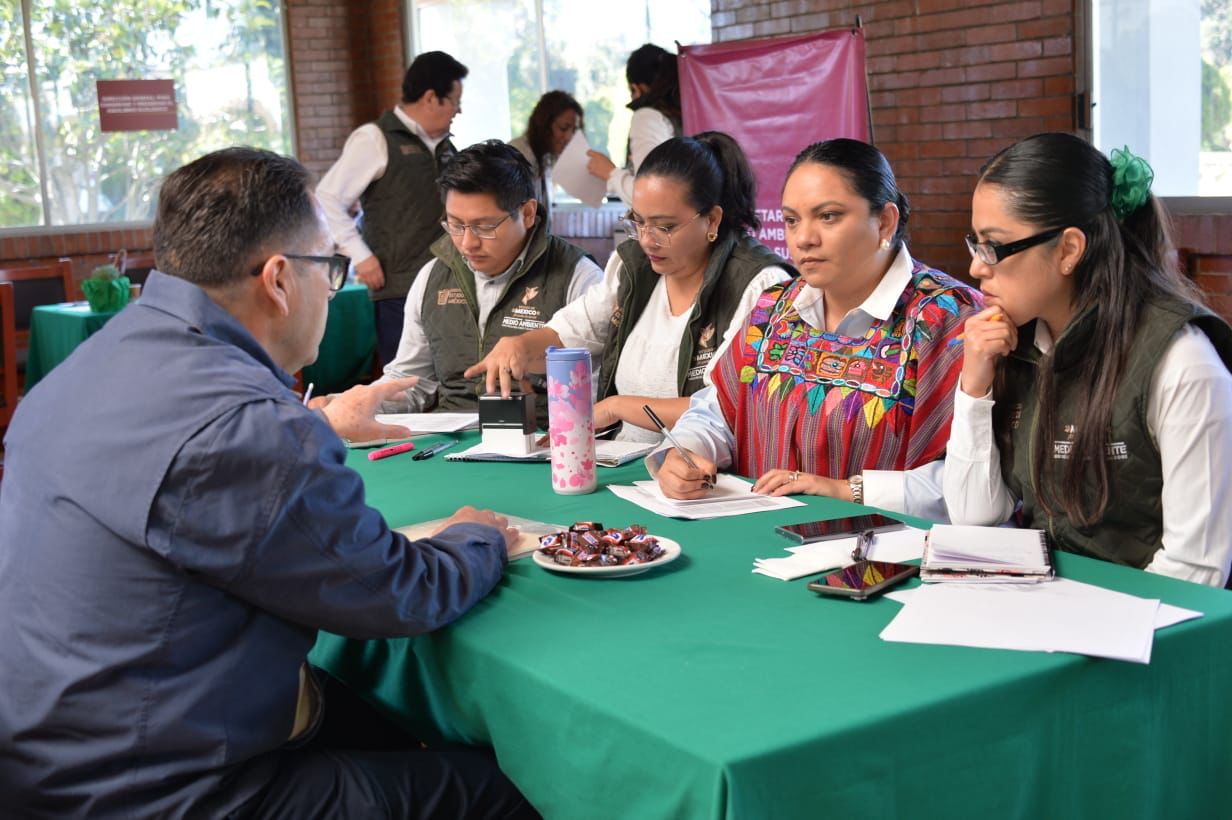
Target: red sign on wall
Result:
[137, 105]
[775, 96]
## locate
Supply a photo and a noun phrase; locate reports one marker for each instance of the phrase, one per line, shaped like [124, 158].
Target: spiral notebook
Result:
[986, 555]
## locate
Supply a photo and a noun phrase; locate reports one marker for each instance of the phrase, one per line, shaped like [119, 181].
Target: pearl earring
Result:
[885, 244]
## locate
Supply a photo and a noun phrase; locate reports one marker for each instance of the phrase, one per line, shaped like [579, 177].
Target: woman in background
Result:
[1095, 395]
[654, 86]
[553, 122]
[840, 383]
[671, 296]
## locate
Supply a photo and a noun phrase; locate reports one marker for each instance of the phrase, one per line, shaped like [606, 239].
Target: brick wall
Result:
[952, 82]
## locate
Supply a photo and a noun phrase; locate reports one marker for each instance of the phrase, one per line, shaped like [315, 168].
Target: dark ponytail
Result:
[867, 171]
[714, 171]
[1060, 181]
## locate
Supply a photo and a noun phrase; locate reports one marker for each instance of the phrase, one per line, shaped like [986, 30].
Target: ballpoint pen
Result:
[708, 482]
[433, 450]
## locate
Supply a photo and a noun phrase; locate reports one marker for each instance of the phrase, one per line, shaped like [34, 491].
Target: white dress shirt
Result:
[704, 430]
[1189, 418]
[647, 130]
[414, 357]
[364, 159]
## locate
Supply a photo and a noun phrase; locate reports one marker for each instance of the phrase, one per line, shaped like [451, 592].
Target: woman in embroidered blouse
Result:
[671, 298]
[1095, 398]
[840, 383]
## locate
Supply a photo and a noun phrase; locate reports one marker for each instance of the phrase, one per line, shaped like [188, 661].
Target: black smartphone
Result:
[863, 579]
[812, 531]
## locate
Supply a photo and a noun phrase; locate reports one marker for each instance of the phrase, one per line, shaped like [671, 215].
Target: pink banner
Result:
[775, 96]
[136, 105]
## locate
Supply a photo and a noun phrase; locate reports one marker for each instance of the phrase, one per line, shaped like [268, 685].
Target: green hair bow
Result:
[1131, 182]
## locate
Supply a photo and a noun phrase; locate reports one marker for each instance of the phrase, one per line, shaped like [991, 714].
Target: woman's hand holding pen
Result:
[679, 480]
[987, 336]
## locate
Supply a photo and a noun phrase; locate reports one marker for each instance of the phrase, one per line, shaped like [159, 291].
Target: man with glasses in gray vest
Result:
[389, 168]
[498, 272]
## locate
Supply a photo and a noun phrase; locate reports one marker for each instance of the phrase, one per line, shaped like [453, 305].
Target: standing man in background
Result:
[389, 167]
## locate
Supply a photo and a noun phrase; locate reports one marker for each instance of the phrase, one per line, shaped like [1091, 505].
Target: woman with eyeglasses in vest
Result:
[671, 296]
[1096, 399]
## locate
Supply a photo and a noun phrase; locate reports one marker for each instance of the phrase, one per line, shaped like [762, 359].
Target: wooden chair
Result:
[8, 356]
[37, 285]
[138, 266]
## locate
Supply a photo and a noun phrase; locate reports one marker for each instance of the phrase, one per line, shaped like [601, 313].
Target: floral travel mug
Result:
[571, 421]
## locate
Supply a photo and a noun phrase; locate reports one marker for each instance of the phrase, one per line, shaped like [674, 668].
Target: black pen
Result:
[428, 452]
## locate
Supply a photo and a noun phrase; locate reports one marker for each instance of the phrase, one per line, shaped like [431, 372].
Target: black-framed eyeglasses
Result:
[990, 253]
[660, 235]
[478, 231]
[338, 267]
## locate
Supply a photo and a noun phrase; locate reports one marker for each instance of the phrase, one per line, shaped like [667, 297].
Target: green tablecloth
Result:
[55, 332]
[349, 345]
[345, 356]
[702, 690]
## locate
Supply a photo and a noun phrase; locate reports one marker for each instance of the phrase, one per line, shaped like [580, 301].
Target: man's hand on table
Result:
[353, 414]
[470, 515]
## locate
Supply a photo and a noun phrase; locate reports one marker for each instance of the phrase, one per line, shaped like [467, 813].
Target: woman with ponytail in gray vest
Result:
[671, 296]
[1095, 399]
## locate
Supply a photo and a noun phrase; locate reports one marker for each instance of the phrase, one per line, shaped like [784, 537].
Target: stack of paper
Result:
[1063, 616]
[528, 529]
[730, 496]
[809, 559]
[985, 554]
[419, 423]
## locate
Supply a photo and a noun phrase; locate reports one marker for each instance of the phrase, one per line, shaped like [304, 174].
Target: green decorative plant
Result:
[106, 290]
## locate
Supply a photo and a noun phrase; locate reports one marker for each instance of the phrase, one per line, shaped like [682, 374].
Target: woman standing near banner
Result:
[654, 85]
[840, 383]
[671, 298]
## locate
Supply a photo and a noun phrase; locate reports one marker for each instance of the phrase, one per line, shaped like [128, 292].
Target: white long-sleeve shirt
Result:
[414, 357]
[364, 159]
[1189, 418]
[703, 428]
[647, 130]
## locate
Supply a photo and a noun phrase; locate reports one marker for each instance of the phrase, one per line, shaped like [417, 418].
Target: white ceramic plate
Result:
[671, 551]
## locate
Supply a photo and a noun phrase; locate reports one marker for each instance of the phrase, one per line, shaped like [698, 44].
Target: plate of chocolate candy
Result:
[587, 548]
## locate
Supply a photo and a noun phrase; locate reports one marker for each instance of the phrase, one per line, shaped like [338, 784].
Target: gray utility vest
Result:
[734, 263]
[403, 209]
[450, 312]
[1131, 529]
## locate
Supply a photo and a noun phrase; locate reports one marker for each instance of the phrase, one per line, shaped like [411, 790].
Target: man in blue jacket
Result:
[175, 527]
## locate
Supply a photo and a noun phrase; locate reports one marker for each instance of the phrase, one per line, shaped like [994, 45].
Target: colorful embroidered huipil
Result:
[800, 398]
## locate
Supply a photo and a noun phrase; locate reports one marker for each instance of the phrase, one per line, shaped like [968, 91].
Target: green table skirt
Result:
[699, 689]
[55, 332]
[349, 346]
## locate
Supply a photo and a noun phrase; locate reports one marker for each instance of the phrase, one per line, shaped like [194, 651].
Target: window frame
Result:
[45, 228]
[1084, 80]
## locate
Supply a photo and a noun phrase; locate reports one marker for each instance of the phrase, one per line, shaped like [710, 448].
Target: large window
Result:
[518, 49]
[58, 168]
[1163, 86]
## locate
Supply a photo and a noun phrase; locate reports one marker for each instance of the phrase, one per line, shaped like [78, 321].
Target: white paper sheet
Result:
[1167, 616]
[1058, 616]
[431, 422]
[809, 559]
[569, 172]
[607, 453]
[528, 529]
[731, 496]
